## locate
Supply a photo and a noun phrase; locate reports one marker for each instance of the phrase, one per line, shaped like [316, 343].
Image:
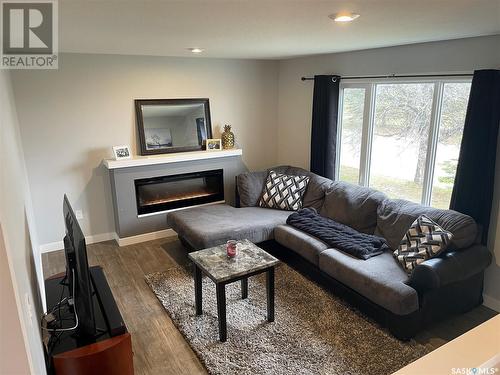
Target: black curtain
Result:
[324, 125]
[473, 188]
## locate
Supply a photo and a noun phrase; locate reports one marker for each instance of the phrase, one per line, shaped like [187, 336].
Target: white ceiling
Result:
[261, 29]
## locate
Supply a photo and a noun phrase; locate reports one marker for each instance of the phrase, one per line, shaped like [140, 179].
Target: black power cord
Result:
[59, 307]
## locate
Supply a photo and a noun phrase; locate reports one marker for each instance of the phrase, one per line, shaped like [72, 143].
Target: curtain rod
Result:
[396, 76]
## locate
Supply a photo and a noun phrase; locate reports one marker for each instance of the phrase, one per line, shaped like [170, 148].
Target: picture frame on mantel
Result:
[214, 144]
[173, 125]
[122, 152]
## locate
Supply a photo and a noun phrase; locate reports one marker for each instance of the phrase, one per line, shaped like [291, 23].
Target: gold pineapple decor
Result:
[227, 138]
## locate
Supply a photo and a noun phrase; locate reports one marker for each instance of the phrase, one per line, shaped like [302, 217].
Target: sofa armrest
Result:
[450, 267]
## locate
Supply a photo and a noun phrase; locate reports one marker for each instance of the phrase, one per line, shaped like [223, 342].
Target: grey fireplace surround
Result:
[128, 222]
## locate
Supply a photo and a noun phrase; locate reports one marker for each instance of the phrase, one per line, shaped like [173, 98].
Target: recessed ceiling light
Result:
[196, 50]
[343, 17]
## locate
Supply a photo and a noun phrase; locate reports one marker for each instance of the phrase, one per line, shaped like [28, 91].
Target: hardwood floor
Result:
[158, 346]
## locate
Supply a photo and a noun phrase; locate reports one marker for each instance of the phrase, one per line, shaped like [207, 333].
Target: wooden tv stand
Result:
[110, 353]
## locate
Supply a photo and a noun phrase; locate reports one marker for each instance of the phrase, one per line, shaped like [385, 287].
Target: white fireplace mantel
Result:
[137, 161]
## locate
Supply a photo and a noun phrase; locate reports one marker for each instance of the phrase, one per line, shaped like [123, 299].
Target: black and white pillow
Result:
[424, 240]
[283, 191]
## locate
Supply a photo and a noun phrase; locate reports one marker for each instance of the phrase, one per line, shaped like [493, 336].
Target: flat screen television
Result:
[77, 272]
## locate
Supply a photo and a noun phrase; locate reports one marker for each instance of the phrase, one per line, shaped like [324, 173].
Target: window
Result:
[403, 138]
[352, 127]
[454, 106]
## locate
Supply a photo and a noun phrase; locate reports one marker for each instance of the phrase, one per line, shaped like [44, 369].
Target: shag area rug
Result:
[314, 332]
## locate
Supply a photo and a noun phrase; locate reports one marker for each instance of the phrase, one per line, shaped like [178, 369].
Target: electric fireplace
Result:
[165, 193]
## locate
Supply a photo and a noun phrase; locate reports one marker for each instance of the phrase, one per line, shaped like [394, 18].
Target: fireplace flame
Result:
[174, 198]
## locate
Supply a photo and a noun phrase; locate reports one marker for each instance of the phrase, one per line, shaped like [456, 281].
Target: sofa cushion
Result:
[316, 189]
[315, 192]
[302, 243]
[352, 205]
[250, 185]
[423, 240]
[380, 279]
[395, 216]
[283, 191]
[208, 226]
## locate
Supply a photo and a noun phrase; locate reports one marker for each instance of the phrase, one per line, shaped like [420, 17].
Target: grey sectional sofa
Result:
[449, 284]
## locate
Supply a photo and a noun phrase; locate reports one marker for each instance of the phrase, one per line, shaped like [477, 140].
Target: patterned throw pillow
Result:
[424, 240]
[283, 192]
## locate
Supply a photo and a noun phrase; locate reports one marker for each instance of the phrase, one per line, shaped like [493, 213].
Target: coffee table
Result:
[222, 270]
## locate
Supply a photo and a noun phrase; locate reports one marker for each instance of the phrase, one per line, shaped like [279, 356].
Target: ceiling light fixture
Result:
[196, 50]
[343, 17]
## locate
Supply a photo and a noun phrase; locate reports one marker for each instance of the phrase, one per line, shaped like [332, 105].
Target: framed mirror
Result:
[172, 125]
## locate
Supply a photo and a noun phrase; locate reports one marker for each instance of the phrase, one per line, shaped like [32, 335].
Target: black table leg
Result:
[244, 288]
[221, 310]
[198, 294]
[270, 294]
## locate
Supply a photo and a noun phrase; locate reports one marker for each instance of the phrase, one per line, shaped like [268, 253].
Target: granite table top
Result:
[219, 267]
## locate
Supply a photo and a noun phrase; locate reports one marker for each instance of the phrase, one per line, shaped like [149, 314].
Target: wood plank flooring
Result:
[158, 346]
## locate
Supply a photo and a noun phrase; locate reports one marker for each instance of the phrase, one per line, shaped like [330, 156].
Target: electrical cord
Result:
[56, 307]
[61, 300]
[62, 293]
[59, 307]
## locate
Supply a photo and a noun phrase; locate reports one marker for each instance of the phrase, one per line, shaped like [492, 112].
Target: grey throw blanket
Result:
[337, 235]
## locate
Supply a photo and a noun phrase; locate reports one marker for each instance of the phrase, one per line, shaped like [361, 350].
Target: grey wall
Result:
[20, 302]
[71, 117]
[295, 101]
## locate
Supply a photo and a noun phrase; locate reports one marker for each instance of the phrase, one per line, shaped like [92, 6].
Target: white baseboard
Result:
[59, 245]
[52, 246]
[491, 302]
[145, 237]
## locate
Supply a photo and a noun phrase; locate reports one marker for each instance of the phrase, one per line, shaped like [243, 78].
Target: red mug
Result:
[231, 248]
